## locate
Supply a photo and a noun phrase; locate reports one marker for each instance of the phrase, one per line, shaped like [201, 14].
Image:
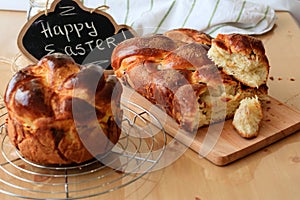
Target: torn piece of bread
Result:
[241, 56]
[247, 117]
[60, 112]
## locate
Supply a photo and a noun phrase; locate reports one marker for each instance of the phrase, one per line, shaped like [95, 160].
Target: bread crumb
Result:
[266, 150]
[296, 159]
[247, 117]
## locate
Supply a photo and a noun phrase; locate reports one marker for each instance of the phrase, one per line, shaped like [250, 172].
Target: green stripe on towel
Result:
[241, 12]
[213, 13]
[151, 5]
[189, 13]
[149, 10]
[127, 11]
[238, 18]
[217, 28]
[265, 16]
[261, 20]
[165, 16]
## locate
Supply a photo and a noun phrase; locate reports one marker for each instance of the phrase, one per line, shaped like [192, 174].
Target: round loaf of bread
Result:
[60, 112]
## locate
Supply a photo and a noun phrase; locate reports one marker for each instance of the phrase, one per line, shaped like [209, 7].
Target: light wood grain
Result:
[220, 143]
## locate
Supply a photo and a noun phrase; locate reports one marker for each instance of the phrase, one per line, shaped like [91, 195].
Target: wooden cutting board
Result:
[220, 143]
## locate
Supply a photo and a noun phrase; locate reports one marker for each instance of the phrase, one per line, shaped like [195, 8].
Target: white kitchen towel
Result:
[210, 16]
[292, 6]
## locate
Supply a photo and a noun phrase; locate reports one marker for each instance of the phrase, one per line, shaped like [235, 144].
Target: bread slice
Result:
[247, 117]
[241, 56]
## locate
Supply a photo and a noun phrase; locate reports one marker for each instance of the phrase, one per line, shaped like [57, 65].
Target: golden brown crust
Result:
[190, 56]
[182, 79]
[241, 56]
[185, 35]
[156, 47]
[148, 48]
[238, 43]
[56, 109]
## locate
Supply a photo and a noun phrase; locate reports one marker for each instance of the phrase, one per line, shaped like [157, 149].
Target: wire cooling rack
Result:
[141, 145]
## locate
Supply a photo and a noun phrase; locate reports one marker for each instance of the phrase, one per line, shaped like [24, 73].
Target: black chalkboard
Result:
[70, 28]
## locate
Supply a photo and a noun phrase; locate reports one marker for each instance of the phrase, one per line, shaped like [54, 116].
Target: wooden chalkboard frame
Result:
[29, 23]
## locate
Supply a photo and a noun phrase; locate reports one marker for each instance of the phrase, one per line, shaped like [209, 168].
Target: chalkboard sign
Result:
[87, 35]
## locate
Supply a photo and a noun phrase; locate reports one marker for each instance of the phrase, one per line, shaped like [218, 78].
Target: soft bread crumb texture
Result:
[241, 56]
[247, 117]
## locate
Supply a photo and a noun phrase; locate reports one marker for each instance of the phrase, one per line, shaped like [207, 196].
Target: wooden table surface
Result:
[268, 174]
